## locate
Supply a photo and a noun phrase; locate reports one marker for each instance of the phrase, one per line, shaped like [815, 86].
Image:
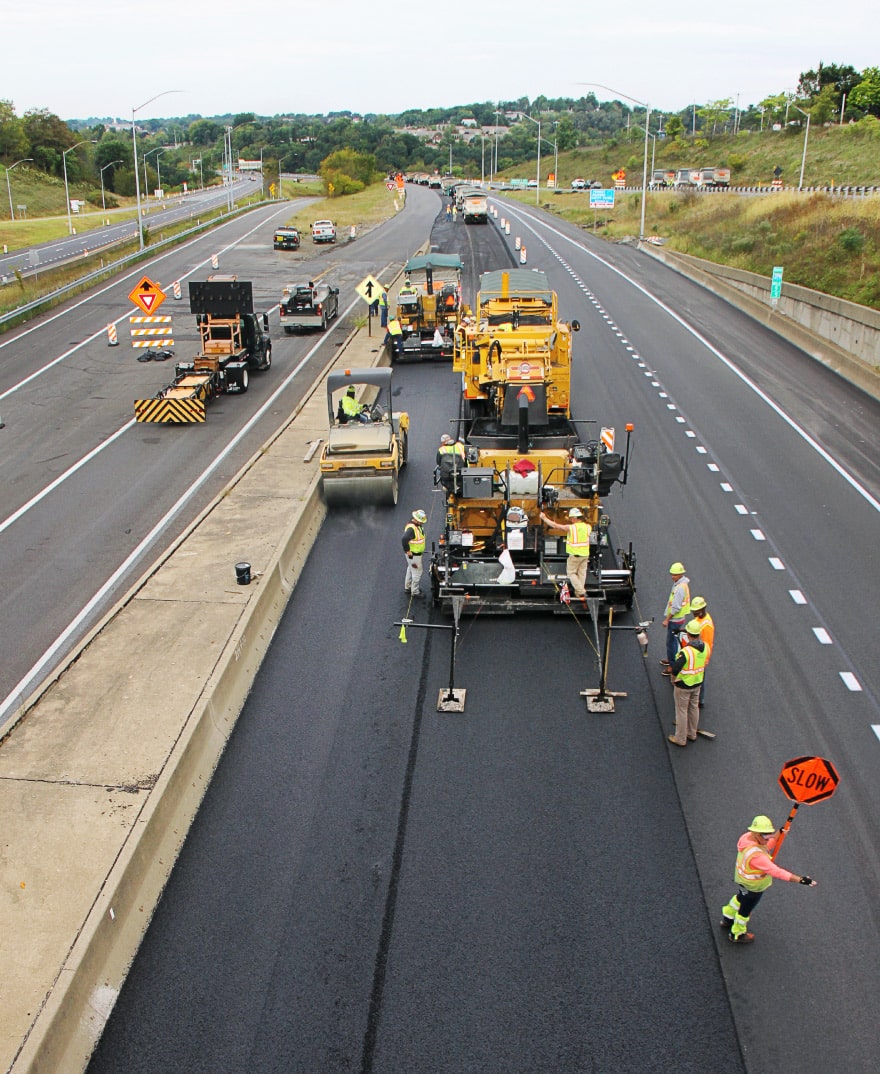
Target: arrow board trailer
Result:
[233, 340]
[367, 443]
[429, 307]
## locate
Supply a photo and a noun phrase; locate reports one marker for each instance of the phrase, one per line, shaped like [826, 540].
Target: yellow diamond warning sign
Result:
[147, 296]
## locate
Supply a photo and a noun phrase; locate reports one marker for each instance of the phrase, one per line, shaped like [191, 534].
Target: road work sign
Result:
[147, 296]
[807, 780]
[369, 289]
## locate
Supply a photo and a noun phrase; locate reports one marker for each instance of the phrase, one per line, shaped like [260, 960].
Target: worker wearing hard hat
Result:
[678, 611]
[413, 549]
[687, 677]
[351, 408]
[394, 337]
[707, 632]
[577, 547]
[451, 460]
[755, 872]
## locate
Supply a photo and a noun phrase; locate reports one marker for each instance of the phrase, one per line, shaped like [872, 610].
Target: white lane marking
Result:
[758, 535]
[741, 509]
[701, 450]
[776, 563]
[726, 486]
[797, 596]
[714, 467]
[689, 328]
[20, 690]
[688, 432]
[875, 727]
[851, 682]
[822, 635]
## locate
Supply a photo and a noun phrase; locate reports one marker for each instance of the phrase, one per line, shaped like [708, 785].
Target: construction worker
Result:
[351, 408]
[577, 547]
[451, 460]
[394, 336]
[707, 632]
[413, 549]
[678, 611]
[408, 296]
[383, 308]
[687, 677]
[755, 872]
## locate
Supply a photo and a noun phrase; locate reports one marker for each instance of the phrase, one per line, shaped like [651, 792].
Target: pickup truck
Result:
[323, 231]
[308, 305]
[286, 238]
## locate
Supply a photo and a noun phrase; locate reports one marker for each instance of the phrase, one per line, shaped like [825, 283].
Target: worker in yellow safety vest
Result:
[687, 677]
[755, 872]
[351, 408]
[413, 549]
[394, 336]
[678, 611]
[577, 548]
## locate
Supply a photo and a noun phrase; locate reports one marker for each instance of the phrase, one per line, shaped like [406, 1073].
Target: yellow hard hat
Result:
[677, 568]
[762, 825]
[697, 604]
[693, 627]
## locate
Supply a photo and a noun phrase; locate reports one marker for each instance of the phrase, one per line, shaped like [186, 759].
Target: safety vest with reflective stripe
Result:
[695, 665]
[417, 541]
[456, 448]
[394, 327]
[350, 406]
[578, 541]
[707, 632]
[681, 584]
[751, 878]
[383, 300]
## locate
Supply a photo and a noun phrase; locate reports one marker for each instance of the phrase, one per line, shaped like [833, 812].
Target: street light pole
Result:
[106, 166]
[9, 188]
[66, 190]
[137, 185]
[647, 108]
[806, 136]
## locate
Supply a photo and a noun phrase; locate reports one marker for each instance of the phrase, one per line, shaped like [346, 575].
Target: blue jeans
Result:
[676, 626]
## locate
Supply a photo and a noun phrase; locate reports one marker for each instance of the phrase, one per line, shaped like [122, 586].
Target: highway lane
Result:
[371, 886]
[157, 214]
[71, 551]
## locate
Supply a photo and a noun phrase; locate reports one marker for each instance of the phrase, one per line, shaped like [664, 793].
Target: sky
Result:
[92, 58]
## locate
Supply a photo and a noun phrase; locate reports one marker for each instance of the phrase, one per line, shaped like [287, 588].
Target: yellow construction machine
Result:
[429, 307]
[367, 443]
[523, 456]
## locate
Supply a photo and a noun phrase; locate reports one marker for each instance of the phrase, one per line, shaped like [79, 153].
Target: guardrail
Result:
[119, 264]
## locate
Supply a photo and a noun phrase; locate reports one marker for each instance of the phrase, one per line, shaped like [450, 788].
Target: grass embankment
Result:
[366, 209]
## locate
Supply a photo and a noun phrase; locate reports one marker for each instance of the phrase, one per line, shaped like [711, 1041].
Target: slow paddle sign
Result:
[807, 780]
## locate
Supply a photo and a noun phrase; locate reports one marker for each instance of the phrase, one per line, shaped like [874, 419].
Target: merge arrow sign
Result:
[369, 289]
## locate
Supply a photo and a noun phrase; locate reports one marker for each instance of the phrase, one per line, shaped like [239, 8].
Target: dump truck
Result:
[233, 341]
[475, 207]
[524, 455]
[429, 307]
[367, 443]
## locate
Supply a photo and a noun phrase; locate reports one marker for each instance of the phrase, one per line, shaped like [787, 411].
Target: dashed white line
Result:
[713, 466]
[689, 433]
[851, 682]
[875, 727]
[776, 563]
[822, 635]
[701, 450]
[741, 509]
[797, 596]
[726, 486]
[758, 535]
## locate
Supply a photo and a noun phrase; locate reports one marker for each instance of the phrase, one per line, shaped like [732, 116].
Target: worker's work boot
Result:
[743, 937]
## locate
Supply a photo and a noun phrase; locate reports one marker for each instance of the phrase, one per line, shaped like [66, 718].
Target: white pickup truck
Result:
[323, 231]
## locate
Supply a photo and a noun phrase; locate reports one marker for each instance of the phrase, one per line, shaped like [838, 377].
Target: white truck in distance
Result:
[323, 231]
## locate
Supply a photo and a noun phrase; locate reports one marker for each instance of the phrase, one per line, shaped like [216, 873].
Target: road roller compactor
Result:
[523, 456]
[367, 444]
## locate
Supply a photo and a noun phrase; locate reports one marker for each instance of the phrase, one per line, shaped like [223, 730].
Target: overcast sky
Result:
[84, 58]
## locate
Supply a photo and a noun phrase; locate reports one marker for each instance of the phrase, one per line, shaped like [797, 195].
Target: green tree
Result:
[674, 127]
[715, 113]
[14, 142]
[49, 137]
[866, 94]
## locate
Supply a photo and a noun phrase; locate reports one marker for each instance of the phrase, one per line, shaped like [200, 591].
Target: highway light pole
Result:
[134, 149]
[106, 166]
[538, 175]
[806, 136]
[9, 188]
[66, 191]
[647, 109]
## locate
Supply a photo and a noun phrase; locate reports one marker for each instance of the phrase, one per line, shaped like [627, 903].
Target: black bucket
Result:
[243, 573]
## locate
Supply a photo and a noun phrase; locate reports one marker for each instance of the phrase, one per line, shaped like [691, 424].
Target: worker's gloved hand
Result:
[806, 880]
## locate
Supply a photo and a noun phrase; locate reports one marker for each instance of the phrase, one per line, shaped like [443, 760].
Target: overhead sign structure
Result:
[147, 296]
[807, 780]
[601, 199]
[369, 289]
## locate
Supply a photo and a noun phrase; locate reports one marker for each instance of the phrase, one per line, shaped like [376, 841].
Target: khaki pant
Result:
[687, 713]
[576, 569]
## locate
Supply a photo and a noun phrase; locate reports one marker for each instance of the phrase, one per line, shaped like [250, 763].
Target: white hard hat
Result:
[575, 512]
[446, 439]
